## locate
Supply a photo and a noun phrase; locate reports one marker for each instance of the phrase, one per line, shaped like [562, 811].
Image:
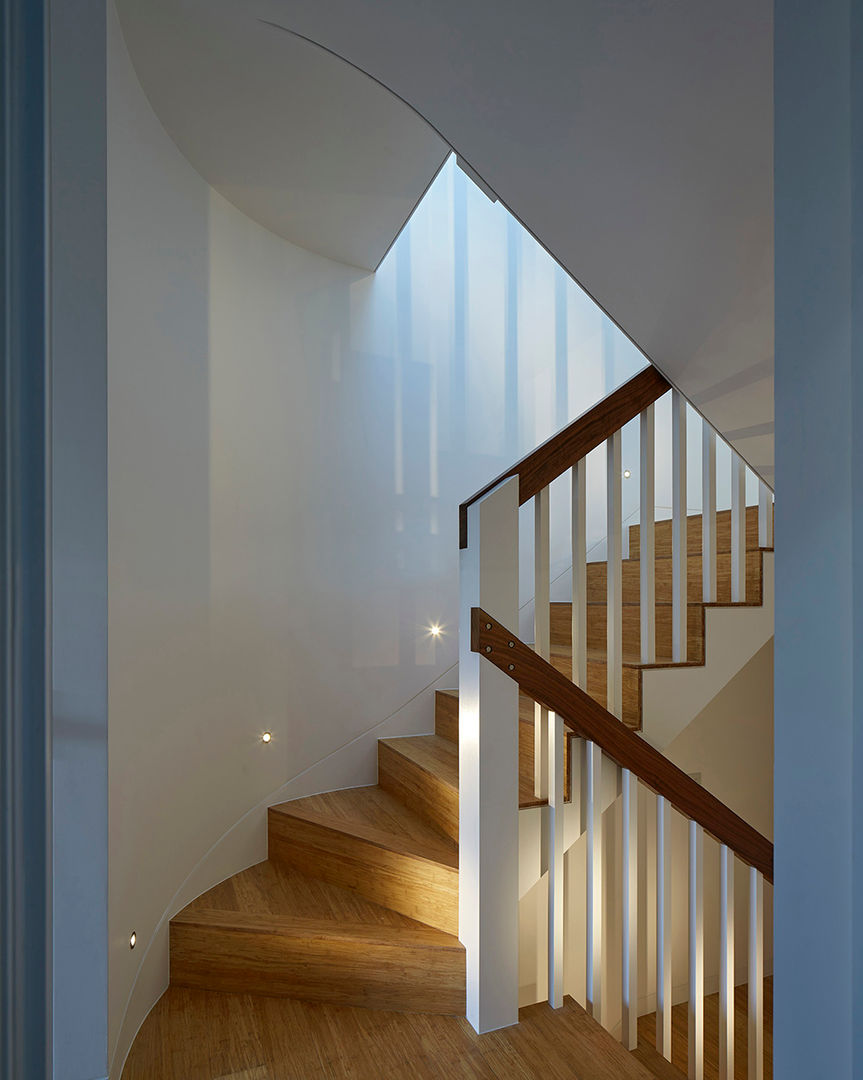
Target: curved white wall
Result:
[288, 443]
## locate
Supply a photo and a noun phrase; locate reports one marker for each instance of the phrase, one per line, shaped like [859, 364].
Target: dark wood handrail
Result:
[563, 450]
[542, 682]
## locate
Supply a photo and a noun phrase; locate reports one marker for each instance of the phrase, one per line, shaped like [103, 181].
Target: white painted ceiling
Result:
[296, 138]
[632, 137]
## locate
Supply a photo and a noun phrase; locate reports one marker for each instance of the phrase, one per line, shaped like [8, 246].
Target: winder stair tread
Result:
[377, 817]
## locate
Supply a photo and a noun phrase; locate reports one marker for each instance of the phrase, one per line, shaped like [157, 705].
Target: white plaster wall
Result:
[288, 443]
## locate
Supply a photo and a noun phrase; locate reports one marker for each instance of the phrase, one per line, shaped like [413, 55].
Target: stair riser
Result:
[597, 585]
[421, 791]
[419, 888]
[662, 534]
[597, 686]
[318, 967]
[446, 716]
[561, 629]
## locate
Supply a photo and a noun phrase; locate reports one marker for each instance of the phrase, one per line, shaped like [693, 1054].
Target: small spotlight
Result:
[626, 474]
[434, 630]
[266, 736]
[133, 940]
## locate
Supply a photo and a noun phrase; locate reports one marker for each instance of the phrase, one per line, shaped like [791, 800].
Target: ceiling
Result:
[296, 138]
[633, 138]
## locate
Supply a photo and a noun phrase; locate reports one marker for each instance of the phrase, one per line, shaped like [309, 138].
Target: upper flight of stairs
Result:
[633, 669]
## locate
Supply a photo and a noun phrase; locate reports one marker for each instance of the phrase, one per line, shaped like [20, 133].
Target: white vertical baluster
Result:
[696, 951]
[579, 573]
[708, 512]
[629, 852]
[663, 927]
[678, 526]
[756, 975]
[542, 634]
[726, 963]
[647, 549]
[593, 803]
[614, 608]
[765, 515]
[738, 529]
[488, 768]
[555, 861]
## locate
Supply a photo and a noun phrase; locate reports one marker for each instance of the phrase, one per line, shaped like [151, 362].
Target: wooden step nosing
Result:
[436, 776]
[381, 843]
[306, 929]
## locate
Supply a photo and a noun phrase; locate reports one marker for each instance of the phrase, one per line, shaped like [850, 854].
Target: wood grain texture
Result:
[422, 772]
[662, 534]
[563, 450]
[597, 588]
[656, 1064]
[680, 1036]
[597, 613]
[582, 714]
[414, 969]
[272, 889]
[195, 1035]
[366, 841]
[446, 714]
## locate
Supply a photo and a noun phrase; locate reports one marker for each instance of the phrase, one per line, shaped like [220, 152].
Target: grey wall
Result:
[79, 538]
[24, 545]
[819, 551]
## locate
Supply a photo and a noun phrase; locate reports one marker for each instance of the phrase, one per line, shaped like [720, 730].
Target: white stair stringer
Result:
[671, 697]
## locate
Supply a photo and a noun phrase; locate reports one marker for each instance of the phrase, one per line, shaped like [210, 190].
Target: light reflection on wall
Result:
[493, 348]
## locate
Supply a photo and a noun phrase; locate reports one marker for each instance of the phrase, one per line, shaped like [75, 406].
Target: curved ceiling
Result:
[634, 139]
[296, 138]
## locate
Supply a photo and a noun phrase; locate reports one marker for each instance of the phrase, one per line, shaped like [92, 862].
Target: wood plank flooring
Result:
[204, 1035]
[679, 1035]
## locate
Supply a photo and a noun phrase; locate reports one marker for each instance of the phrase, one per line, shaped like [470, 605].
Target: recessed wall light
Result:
[133, 940]
[435, 630]
[266, 736]
[626, 474]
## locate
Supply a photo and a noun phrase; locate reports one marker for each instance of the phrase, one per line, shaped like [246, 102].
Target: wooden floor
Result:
[679, 1031]
[202, 1035]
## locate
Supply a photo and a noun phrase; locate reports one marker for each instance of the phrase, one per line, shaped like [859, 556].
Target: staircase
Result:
[697, 644]
[357, 904]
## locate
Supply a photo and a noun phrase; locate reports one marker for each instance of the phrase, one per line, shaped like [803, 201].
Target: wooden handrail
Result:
[542, 682]
[570, 445]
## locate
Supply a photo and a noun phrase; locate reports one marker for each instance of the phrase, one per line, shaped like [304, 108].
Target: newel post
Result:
[488, 767]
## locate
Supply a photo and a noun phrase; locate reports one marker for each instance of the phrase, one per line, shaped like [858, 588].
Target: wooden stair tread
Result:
[432, 753]
[377, 816]
[271, 891]
[415, 934]
[315, 942]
